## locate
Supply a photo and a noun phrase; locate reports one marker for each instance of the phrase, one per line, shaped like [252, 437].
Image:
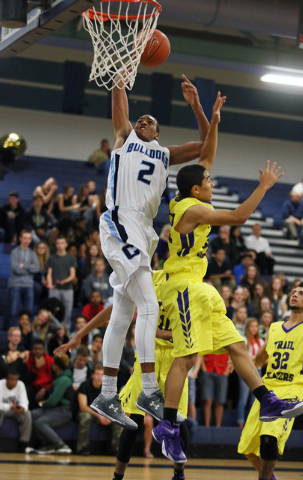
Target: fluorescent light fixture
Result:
[283, 79]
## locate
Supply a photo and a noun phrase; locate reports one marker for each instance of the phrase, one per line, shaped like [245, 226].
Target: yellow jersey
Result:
[285, 362]
[187, 251]
[163, 320]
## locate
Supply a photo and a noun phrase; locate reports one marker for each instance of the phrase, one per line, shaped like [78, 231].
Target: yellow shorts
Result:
[197, 316]
[131, 391]
[254, 428]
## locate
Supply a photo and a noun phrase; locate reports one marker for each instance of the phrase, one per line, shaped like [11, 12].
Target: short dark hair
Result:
[61, 237]
[83, 350]
[62, 362]
[24, 311]
[97, 335]
[98, 367]
[13, 193]
[12, 371]
[189, 176]
[300, 285]
[38, 341]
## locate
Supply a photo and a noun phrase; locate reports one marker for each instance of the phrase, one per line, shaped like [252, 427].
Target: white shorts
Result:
[128, 242]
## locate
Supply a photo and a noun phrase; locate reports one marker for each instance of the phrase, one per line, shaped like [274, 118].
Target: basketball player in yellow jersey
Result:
[261, 442]
[195, 309]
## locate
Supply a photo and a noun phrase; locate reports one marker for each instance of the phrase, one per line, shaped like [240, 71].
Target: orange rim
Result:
[104, 16]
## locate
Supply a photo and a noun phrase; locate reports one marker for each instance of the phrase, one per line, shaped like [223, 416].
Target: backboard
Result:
[41, 23]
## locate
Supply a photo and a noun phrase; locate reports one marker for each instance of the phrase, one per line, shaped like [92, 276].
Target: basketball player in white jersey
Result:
[136, 181]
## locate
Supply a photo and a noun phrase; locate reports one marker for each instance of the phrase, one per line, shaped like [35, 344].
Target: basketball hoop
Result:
[119, 32]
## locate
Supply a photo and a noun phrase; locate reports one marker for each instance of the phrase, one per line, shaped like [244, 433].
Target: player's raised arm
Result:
[209, 147]
[100, 319]
[120, 116]
[200, 214]
[190, 150]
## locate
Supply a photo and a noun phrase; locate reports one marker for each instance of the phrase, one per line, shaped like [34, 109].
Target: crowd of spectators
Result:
[60, 280]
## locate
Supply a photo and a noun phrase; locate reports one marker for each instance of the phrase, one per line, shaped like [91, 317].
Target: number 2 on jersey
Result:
[145, 172]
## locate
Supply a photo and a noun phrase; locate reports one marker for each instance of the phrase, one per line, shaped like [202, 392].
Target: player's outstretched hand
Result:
[271, 174]
[217, 107]
[190, 93]
[67, 347]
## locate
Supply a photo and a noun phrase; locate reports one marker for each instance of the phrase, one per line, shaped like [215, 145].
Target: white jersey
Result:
[137, 176]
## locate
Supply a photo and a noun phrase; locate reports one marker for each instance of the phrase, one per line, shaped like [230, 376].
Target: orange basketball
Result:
[156, 51]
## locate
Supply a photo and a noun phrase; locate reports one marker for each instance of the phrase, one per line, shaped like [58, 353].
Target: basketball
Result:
[156, 51]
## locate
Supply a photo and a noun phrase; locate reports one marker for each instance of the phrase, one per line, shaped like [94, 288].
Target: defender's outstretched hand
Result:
[271, 174]
[67, 347]
[217, 107]
[190, 93]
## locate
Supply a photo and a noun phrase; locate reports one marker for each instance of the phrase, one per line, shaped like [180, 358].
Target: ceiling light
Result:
[283, 79]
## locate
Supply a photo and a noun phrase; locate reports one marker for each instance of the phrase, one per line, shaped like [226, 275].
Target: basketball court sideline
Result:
[29, 467]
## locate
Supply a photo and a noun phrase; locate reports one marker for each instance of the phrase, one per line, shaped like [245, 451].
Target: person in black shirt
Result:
[38, 220]
[87, 393]
[12, 218]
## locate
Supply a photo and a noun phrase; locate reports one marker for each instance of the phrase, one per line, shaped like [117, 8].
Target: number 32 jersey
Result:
[285, 362]
[137, 176]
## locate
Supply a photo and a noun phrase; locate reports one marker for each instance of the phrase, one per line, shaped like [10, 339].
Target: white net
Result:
[119, 32]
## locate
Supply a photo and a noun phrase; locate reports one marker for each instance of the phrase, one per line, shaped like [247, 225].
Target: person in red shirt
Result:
[216, 369]
[94, 307]
[40, 376]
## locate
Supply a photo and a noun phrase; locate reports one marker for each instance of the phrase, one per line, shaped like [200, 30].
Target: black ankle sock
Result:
[178, 473]
[170, 414]
[117, 476]
[260, 392]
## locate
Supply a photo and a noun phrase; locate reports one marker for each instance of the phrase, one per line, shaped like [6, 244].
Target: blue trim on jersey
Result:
[115, 179]
[111, 226]
[289, 330]
[119, 227]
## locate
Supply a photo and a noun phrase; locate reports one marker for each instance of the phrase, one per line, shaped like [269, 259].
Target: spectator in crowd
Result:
[55, 411]
[192, 376]
[85, 202]
[14, 405]
[87, 392]
[80, 234]
[40, 376]
[61, 271]
[68, 206]
[266, 320]
[44, 324]
[100, 158]
[12, 218]
[264, 260]
[284, 281]
[96, 354]
[98, 281]
[23, 264]
[219, 271]
[261, 290]
[24, 321]
[81, 369]
[298, 188]
[162, 247]
[247, 296]
[278, 298]
[88, 263]
[239, 270]
[250, 279]
[59, 337]
[253, 342]
[41, 249]
[265, 304]
[239, 319]
[227, 243]
[216, 370]
[226, 295]
[94, 306]
[237, 300]
[13, 355]
[92, 239]
[292, 210]
[48, 192]
[38, 221]
[237, 237]
[80, 322]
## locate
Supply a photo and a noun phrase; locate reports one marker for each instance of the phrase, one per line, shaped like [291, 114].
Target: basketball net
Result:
[119, 32]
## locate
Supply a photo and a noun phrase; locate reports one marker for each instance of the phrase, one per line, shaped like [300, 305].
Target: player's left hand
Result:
[217, 108]
[190, 93]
